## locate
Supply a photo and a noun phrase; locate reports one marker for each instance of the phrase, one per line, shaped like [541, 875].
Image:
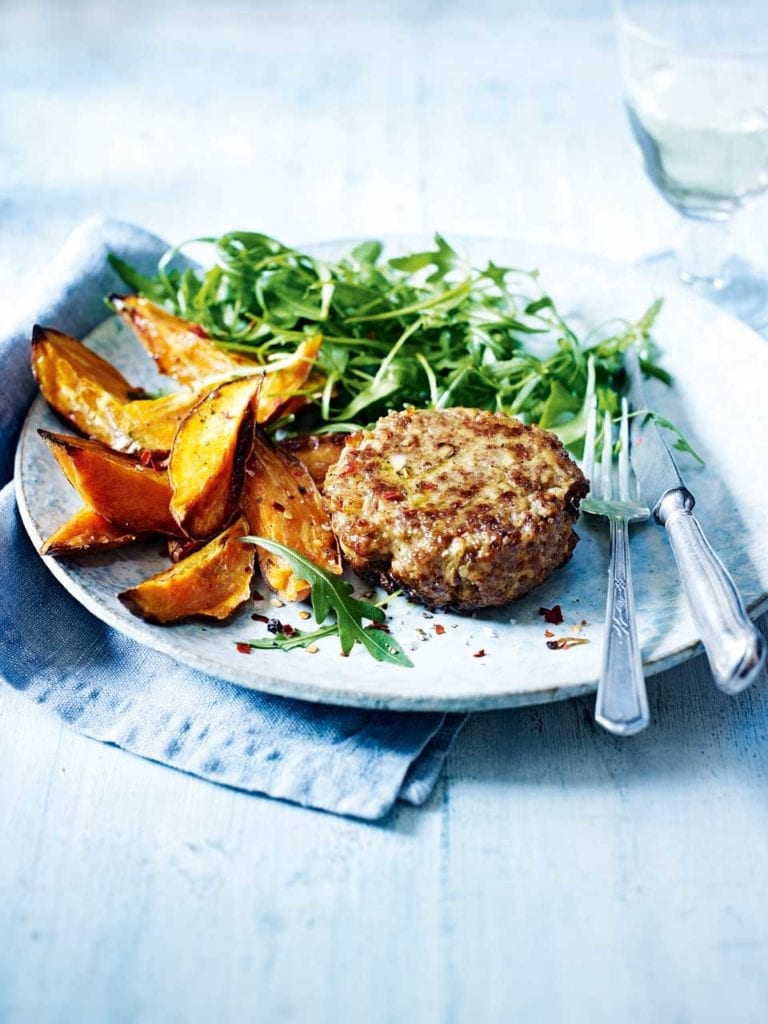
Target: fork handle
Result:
[622, 703]
[735, 647]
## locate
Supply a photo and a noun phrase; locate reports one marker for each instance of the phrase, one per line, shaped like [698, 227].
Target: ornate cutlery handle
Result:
[735, 648]
[622, 703]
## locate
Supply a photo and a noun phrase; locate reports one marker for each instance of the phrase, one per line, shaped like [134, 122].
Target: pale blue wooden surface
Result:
[557, 874]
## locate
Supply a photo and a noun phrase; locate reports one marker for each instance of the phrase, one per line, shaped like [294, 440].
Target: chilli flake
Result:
[552, 615]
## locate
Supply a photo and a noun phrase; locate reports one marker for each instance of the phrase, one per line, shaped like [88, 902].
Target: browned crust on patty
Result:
[461, 508]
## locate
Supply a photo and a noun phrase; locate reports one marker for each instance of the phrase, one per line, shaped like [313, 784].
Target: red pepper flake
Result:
[199, 330]
[439, 629]
[553, 615]
[259, 618]
[565, 643]
[288, 629]
[479, 654]
[548, 632]
[392, 496]
[381, 626]
[243, 648]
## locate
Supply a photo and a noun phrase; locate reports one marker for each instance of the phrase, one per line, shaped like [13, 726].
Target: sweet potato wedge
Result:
[80, 386]
[318, 452]
[128, 495]
[207, 464]
[86, 532]
[212, 583]
[281, 502]
[280, 386]
[181, 349]
[88, 392]
[150, 424]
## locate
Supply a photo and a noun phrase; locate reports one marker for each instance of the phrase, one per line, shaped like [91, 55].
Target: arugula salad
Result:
[427, 329]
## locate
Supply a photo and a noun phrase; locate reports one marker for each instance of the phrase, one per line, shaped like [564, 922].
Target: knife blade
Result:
[652, 461]
[735, 648]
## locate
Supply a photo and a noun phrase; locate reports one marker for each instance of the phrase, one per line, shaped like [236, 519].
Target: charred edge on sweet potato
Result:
[180, 547]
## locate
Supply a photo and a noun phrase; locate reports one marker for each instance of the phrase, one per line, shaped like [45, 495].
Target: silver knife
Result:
[735, 648]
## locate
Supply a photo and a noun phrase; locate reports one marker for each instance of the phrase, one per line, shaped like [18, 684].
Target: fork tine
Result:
[588, 462]
[607, 458]
[624, 452]
[590, 433]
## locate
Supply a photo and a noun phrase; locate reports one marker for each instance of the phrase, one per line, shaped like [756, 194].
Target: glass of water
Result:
[695, 77]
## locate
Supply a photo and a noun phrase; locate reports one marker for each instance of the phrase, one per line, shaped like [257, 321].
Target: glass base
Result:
[741, 288]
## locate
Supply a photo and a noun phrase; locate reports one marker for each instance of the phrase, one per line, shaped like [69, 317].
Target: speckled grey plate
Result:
[719, 400]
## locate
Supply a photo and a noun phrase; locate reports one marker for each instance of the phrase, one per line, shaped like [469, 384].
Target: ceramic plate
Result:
[721, 380]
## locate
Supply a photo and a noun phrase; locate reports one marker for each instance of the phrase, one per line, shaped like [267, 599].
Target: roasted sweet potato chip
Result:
[84, 389]
[150, 424]
[84, 533]
[318, 452]
[131, 496]
[280, 386]
[281, 502]
[212, 583]
[89, 393]
[181, 349]
[207, 464]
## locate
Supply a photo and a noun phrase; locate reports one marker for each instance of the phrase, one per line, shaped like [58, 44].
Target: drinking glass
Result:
[695, 78]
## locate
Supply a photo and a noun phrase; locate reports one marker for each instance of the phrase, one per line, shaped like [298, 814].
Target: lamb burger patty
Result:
[461, 508]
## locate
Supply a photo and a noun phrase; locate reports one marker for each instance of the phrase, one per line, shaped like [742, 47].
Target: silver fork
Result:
[622, 703]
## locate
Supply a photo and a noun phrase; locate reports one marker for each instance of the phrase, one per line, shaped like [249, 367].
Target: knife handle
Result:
[735, 648]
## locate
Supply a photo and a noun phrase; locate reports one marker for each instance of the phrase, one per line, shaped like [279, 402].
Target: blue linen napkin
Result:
[343, 760]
